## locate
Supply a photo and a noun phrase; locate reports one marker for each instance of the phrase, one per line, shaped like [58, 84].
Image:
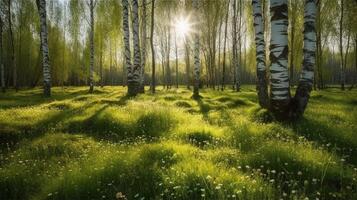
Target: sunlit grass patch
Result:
[118, 122]
[300, 169]
[40, 161]
[133, 171]
[77, 145]
[195, 179]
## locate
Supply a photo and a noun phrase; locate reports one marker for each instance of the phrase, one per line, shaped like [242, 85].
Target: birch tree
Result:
[41, 5]
[307, 74]
[176, 61]
[2, 70]
[262, 86]
[152, 46]
[168, 50]
[130, 77]
[224, 46]
[342, 69]
[12, 45]
[143, 46]
[196, 56]
[279, 76]
[234, 46]
[134, 82]
[91, 38]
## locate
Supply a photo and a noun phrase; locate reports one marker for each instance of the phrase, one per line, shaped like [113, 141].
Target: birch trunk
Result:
[342, 72]
[176, 55]
[292, 40]
[262, 86]
[101, 60]
[143, 47]
[307, 74]
[234, 45]
[152, 46]
[196, 56]
[168, 51]
[280, 89]
[219, 53]
[239, 56]
[319, 78]
[224, 47]
[41, 5]
[187, 60]
[13, 62]
[91, 38]
[2, 70]
[134, 84]
[127, 53]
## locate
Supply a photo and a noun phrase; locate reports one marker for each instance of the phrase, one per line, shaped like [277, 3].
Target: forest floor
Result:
[76, 145]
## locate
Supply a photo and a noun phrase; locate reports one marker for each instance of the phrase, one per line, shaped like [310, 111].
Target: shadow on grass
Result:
[113, 124]
[35, 98]
[9, 139]
[328, 137]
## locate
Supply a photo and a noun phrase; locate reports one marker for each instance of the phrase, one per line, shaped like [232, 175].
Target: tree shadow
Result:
[35, 98]
[10, 139]
[204, 107]
[327, 137]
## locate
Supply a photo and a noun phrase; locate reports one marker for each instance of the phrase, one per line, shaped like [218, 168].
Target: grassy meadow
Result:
[104, 145]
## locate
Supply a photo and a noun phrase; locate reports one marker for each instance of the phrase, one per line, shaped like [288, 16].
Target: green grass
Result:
[104, 145]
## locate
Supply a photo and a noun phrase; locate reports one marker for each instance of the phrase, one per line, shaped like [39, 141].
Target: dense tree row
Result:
[230, 42]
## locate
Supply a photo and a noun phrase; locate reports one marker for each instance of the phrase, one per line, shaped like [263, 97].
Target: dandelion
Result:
[120, 196]
[176, 187]
[218, 187]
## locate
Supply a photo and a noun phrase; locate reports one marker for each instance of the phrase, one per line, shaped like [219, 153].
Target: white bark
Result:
[136, 69]
[91, 37]
[307, 74]
[41, 5]
[234, 44]
[143, 45]
[196, 55]
[2, 70]
[126, 35]
[259, 35]
[260, 53]
[279, 51]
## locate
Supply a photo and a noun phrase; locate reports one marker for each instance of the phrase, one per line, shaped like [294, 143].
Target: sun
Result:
[182, 26]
